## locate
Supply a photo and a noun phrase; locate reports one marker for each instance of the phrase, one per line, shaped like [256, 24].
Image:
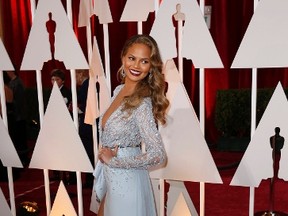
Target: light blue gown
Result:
[126, 178]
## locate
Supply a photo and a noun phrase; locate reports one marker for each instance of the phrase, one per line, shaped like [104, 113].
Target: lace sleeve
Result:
[155, 152]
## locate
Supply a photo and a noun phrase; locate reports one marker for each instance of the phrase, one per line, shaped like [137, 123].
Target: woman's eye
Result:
[145, 62]
[131, 58]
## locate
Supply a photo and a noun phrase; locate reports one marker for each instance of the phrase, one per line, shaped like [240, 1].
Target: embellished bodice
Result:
[129, 130]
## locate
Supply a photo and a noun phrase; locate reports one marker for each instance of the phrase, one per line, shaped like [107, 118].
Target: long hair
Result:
[153, 85]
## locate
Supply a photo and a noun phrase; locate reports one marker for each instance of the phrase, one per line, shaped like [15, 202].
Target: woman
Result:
[138, 104]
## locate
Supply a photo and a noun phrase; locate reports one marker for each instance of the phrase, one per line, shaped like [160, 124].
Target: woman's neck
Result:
[128, 89]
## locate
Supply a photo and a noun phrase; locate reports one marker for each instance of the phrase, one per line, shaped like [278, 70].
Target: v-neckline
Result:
[103, 126]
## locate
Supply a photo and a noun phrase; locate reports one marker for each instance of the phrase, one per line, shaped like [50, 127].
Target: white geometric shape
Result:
[85, 12]
[181, 207]
[184, 142]
[95, 108]
[176, 190]
[8, 153]
[137, 10]
[104, 95]
[102, 10]
[6, 63]
[283, 174]
[171, 72]
[92, 109]
[5, 209]
[197, 41]
[67, 48]
[62, 204]
[256, 163]
[58, 146]
[265, 42]
[171, 75]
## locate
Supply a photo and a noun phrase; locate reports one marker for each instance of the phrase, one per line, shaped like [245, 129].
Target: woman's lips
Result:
[135, 72]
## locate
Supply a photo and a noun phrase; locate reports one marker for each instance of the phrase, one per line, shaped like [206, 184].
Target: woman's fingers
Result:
[106, 154]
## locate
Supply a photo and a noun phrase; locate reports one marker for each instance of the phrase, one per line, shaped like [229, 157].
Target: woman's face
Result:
[136, 62]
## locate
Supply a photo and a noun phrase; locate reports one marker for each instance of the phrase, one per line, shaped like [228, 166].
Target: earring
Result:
[123, 74]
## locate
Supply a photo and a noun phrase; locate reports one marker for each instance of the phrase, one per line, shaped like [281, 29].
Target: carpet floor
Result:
[220, 199]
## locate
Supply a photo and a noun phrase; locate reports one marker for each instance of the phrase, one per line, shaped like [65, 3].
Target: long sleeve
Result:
[146, 127]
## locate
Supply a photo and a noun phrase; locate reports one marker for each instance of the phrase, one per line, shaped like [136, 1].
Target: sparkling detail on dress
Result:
[127, 178]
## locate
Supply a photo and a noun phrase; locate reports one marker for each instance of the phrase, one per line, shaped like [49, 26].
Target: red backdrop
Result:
[229, 21]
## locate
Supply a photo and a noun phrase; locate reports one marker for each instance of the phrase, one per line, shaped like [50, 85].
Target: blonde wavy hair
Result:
[153, 85]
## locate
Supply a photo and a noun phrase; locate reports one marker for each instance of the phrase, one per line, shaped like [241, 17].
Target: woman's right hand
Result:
[106, 154]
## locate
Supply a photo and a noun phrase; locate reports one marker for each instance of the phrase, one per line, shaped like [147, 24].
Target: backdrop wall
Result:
[229, 21]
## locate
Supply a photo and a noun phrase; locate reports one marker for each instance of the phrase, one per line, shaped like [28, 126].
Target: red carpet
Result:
[221, 199]
[225, 200]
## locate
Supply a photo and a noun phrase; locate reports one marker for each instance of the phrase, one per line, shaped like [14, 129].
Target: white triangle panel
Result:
[265, 42]
[85, 12]
[67, 48]
[6, 63]
[189, 158]
[175, 189]
[58, 146]
[62, 204]
[95, 108]
[197, 42]
[8, 153]
[283, 172]
[102, 10]
[181, 207]
[179, 199]
[92, 110]
[172, 79]
[98, 70]
[5, 209]
[257, 162]
[137, 10]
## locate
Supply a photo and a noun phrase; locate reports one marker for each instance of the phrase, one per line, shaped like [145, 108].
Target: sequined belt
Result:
[136, 146]
[123, 147]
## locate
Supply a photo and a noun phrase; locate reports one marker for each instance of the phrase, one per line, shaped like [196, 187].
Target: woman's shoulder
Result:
[146, 103]
[145, 110]
[117, 89]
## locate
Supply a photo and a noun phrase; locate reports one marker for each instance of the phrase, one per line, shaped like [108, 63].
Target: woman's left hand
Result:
[106, 154]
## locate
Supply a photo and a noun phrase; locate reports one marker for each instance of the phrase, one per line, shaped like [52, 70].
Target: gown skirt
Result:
[129, 191]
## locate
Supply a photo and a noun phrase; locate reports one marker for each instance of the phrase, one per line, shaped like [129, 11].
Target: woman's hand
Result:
[106, 154]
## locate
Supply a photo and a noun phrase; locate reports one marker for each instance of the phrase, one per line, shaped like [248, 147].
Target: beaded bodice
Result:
[131, 130]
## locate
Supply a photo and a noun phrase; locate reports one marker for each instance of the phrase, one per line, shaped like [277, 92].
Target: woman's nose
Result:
[137, 64]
